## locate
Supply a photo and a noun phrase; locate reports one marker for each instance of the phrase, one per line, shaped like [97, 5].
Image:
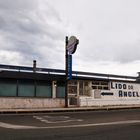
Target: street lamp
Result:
[70, 48]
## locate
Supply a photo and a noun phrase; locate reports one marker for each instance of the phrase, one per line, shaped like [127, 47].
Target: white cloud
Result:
[108, 31]
[11, 57]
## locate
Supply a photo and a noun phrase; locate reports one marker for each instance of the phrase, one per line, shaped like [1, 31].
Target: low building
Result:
[26, 87]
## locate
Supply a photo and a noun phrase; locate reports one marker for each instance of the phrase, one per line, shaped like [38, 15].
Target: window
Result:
[101, 85]
[72, 87]
[8, 88]
[26, 89]
[60, 90]
[44, 90]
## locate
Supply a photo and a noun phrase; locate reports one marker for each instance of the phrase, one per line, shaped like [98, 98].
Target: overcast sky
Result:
[108, 33]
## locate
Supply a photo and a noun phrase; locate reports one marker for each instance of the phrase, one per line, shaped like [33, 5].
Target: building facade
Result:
[24, 87]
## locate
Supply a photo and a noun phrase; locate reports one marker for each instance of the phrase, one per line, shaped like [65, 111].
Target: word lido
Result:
[125, 90]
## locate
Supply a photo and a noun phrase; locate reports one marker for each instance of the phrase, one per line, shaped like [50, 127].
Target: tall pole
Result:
[70, 48]
[66, 72]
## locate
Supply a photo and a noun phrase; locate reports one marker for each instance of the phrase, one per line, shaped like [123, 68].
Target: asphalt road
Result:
[95, 125]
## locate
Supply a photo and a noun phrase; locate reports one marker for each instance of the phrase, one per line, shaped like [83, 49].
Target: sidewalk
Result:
[69, 109]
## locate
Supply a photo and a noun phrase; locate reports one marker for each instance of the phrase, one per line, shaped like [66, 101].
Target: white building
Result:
[24, 87]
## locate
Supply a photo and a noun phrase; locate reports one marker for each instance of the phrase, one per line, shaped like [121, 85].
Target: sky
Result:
[108, 33]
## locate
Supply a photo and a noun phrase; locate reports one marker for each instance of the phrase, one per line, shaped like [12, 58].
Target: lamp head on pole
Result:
[72, 44]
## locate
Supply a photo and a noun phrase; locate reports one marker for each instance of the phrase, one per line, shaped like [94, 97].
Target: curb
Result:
[73, 109]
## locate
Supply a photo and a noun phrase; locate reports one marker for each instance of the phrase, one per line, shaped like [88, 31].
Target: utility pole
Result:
[66, 71]
[70, 48]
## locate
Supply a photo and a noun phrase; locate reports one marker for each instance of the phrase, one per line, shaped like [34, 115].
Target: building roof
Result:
[22, 72]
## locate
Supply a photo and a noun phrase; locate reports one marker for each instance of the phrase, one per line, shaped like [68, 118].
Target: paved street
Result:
[98, 125]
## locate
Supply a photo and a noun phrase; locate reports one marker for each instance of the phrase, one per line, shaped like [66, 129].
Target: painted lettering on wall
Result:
[125, 89]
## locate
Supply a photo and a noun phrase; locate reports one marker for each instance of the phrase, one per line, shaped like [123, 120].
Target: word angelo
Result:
[125, 90]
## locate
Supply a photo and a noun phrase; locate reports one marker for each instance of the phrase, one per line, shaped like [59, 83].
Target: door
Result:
[72, 93]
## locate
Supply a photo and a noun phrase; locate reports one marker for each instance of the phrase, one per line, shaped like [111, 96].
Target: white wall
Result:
[123, 94]
[89, 101]
[20, 103]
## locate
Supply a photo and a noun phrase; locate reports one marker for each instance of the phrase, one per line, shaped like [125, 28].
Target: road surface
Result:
[93, 125]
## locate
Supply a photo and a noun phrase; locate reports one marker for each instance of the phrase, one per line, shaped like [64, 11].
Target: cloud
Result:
[108, 33]
[31, 29]
[11, 57]
[108, 30]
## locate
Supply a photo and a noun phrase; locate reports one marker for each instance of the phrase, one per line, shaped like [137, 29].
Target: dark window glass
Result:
[99, 87]
[26, 89]
[8, 88]
[94, 87]
[106, 88]
[44, 90]
[60, 90]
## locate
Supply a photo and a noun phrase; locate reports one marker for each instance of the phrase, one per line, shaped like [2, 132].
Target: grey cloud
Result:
[124, 53]
[128, 53]
[28, 27]
[18, 4]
